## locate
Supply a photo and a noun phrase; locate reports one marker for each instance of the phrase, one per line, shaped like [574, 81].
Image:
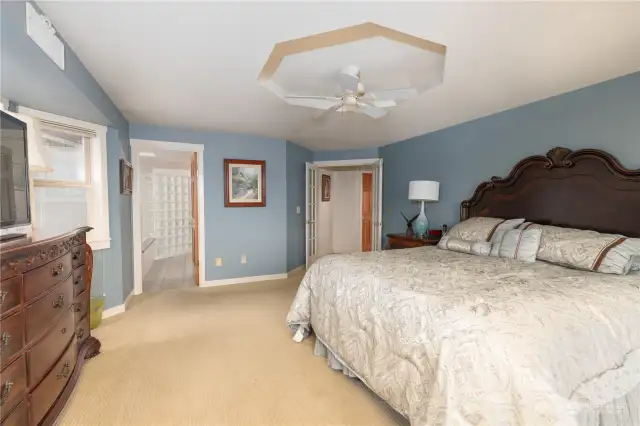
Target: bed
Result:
[453, 339]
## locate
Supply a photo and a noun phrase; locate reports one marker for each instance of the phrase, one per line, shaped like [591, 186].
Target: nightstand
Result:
[401, 241]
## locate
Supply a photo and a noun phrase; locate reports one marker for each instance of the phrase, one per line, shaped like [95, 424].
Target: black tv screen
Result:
[14, 173]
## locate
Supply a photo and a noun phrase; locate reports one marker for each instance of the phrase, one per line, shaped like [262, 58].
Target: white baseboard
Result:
[297, 271]
[243, 280]
[111, 312]
[128, 300]
[118, 309]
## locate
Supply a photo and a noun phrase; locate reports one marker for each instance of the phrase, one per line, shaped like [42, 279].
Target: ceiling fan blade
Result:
[395, 94]
[319, 102]
[382, 103]
[370, 110]
[323, 117]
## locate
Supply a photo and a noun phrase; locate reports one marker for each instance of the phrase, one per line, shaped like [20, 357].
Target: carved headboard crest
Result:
[586, 189]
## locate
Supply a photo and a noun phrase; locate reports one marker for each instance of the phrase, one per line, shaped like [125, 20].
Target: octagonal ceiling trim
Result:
[337, 37]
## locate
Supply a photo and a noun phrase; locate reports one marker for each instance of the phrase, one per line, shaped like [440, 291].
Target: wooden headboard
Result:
[585, 189]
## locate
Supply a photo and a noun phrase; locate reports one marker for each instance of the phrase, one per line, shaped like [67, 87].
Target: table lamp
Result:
[424, 191]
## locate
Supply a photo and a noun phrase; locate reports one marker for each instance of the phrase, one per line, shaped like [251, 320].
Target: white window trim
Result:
[99, 238]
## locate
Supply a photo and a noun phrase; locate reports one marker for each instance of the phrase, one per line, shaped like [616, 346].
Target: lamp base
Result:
[421, 224]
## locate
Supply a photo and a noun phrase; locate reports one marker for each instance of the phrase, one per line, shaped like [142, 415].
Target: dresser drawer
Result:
[43, 313]
[18, 417]
[41, 279]
[13, 384]
[10, 293]
[11, 336]
[79, 280]
[82, 330]
[77, 256]
[48, 390]
[81, 305]
[47, 351]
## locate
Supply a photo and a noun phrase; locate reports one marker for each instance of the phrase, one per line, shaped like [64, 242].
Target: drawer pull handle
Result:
[63, 331]
[57, 271]
[76, 255]
[78, 280]
[6, 391]
[57, 304]
[4, 341]
[77, 307]
[64, 372]
[3, 295]
[12, 264]
[81, 333]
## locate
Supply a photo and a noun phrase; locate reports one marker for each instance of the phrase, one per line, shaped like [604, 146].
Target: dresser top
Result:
[17, 246]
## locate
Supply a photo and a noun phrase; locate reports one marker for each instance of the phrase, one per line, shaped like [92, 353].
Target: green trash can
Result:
[96, 306]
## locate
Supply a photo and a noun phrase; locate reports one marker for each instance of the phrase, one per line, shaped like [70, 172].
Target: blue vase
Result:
[421, 224]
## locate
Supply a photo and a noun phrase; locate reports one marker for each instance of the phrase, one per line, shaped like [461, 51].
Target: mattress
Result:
[453, 339]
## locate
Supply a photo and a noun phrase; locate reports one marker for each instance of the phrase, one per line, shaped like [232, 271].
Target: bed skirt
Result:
[332, 360]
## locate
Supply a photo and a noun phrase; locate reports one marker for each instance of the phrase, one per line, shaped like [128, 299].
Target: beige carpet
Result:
[215, 356]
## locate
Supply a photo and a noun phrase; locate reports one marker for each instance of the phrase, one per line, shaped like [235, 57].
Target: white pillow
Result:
[622, 259]
[478, 248]
[520, 244]
[482, 228]
[588, 250]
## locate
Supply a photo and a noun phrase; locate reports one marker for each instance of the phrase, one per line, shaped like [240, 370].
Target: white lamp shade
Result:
[424, 190]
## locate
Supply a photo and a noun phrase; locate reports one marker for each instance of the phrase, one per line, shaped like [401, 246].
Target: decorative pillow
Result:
[622, 258]
[587, 250]
[520, 244]
[482, 228]
[479, 248]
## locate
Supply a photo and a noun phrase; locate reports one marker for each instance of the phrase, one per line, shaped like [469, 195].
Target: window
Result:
[72, 190]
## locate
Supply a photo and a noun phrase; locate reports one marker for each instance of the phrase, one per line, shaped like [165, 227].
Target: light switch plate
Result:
[298, 209]
[218, 261]
[243, 258]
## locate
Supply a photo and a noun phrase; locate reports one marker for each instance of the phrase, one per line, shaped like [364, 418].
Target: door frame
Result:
[376, 162]
[137, 146]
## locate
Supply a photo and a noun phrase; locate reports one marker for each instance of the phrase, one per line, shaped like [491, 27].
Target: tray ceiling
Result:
[196, 64]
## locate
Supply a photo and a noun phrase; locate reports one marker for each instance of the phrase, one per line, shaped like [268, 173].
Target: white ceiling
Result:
[195, 65]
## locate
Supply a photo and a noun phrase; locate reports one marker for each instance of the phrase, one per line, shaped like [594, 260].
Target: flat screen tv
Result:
[14, 173]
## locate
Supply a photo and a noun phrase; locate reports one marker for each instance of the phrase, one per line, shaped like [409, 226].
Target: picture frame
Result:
[245, 183]
[126, 177]
[326, 188]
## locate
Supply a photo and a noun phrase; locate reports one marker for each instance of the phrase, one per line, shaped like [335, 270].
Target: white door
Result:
[310, 213]
[376, 237]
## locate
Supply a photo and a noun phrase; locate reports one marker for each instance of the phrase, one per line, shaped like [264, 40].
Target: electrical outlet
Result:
[218, 261]
[297, 209]
[243, 258]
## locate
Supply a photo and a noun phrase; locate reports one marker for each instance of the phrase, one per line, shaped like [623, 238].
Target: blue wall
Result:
[347, 154]
[260, 232]
[29, 78]
[604, 116]
[297, 157]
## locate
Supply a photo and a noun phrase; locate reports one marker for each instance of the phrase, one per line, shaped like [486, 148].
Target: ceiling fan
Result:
[354, 97]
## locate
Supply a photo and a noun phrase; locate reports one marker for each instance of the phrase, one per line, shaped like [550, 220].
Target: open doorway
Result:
[167, 215]
[344, 207]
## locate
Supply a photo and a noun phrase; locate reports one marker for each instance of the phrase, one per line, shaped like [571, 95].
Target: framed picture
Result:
[245, 183]
[326, 188]
[126, 177]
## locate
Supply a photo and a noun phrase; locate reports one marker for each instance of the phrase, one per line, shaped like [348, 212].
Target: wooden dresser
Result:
[44, 326]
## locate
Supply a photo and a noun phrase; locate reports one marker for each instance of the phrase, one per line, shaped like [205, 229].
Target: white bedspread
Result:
[454, 339]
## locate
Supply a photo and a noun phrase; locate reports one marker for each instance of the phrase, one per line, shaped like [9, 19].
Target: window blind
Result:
[46, 124]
